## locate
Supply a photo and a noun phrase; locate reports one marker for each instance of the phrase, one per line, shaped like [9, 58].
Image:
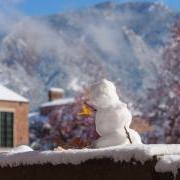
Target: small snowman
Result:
[113, 117]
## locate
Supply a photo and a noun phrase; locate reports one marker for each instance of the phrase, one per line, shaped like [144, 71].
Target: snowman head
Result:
[103, 94]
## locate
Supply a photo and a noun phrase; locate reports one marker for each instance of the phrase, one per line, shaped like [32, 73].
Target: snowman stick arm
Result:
[128, 135]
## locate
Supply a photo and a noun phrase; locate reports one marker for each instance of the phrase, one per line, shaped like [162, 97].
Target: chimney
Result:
[55, 94]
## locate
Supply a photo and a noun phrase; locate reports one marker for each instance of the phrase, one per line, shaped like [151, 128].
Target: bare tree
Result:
[163, 106]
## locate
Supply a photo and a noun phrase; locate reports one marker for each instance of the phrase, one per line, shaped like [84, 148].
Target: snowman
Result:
[112, 118]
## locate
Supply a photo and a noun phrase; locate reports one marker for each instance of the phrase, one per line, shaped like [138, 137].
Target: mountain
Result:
[121, 42]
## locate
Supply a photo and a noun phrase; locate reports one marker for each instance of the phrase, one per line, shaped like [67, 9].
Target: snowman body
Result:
[113, 118]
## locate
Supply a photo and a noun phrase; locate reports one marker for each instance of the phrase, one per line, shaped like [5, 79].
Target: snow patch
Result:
[75, 85]
[20, 149]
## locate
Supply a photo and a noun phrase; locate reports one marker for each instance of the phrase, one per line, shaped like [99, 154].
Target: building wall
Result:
[21, 125]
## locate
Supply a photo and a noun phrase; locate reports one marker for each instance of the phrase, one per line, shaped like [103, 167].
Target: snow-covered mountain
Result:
[122, 42]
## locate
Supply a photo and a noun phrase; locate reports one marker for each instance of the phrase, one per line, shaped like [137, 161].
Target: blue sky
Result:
[45, 7]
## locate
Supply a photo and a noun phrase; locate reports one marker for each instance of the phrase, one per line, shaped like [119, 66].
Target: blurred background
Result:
[51, 50]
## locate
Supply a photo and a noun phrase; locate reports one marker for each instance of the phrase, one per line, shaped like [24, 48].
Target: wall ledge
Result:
[134, 162]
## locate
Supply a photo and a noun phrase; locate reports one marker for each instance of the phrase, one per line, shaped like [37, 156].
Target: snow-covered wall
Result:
[155, 160]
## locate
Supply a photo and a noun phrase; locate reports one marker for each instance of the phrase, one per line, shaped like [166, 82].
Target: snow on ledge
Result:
[140, 153]
[168, 163]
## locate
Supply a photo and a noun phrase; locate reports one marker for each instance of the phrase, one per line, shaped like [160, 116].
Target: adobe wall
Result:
[21, 124]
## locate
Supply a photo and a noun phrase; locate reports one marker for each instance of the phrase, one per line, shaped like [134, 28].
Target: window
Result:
[6, 129]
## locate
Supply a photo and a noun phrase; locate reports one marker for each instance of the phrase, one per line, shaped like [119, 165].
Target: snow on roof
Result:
[121, 153]
[9, 95]
[59, 102]
[57, 90]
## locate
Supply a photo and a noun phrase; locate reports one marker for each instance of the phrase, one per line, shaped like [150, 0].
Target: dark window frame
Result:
[6, 129]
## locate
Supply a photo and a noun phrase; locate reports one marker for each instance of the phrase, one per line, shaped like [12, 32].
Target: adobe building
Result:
[56, 101]
[14, 128]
